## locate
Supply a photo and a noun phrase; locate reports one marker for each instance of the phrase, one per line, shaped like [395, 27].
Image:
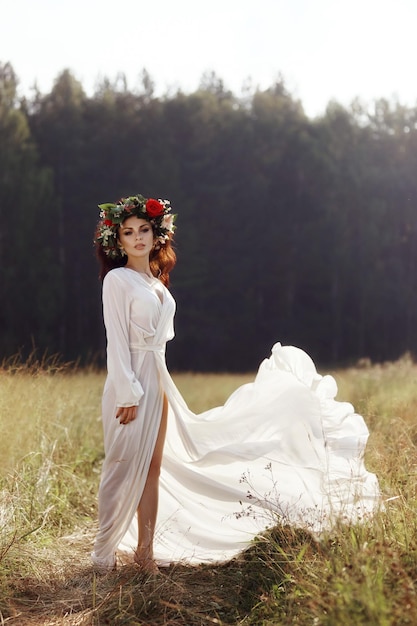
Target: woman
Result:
[133, 238]
[281, 449]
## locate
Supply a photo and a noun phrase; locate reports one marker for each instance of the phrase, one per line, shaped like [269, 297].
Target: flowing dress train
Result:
[281, 449]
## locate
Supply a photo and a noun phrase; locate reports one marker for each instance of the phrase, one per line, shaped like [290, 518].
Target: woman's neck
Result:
[139, 266]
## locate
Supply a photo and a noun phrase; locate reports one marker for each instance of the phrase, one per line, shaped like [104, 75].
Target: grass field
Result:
[50, 458]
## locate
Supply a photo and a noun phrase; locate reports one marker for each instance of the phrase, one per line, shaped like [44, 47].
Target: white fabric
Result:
[281, 449]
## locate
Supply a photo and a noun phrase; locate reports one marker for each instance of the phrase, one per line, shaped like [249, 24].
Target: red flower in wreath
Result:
[108, 222]
[154, 208]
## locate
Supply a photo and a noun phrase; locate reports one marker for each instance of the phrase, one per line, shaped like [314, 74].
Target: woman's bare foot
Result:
[145, 561]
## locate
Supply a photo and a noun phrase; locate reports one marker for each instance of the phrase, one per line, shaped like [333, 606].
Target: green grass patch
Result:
[50, 459]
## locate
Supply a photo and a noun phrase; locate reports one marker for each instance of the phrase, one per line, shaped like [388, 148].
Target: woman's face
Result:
[136, 237]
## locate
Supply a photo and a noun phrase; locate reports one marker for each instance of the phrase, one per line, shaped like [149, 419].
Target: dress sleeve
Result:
[116, 313]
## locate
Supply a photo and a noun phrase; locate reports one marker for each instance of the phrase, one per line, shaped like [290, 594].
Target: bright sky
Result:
[324, 49]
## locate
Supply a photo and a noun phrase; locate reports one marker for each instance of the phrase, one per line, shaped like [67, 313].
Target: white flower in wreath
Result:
[168, 222]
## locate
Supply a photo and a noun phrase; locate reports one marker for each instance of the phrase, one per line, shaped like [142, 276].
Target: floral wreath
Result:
[157, 212]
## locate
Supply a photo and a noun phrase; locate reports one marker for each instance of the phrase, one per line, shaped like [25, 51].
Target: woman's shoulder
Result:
[115, 277]
[112, 274]
[116, 271]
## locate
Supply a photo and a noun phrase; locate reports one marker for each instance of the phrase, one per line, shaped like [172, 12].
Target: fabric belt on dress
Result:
[147, 348]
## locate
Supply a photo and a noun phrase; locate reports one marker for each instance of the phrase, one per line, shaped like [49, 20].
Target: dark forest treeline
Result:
[290, 229]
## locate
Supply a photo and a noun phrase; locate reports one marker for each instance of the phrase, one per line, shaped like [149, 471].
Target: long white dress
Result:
[281, 449]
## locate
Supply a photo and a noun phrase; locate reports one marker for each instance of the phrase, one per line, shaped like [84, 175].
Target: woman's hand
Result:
[126, 414]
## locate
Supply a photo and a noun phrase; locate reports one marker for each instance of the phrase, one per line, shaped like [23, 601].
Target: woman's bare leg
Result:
[148, 505]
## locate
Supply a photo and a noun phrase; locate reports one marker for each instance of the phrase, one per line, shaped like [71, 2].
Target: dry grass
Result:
[50, 455]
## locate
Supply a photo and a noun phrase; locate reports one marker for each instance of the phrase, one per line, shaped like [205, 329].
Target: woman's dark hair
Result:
[162, 260]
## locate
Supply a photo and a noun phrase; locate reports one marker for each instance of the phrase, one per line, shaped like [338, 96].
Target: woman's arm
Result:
[116, 313]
